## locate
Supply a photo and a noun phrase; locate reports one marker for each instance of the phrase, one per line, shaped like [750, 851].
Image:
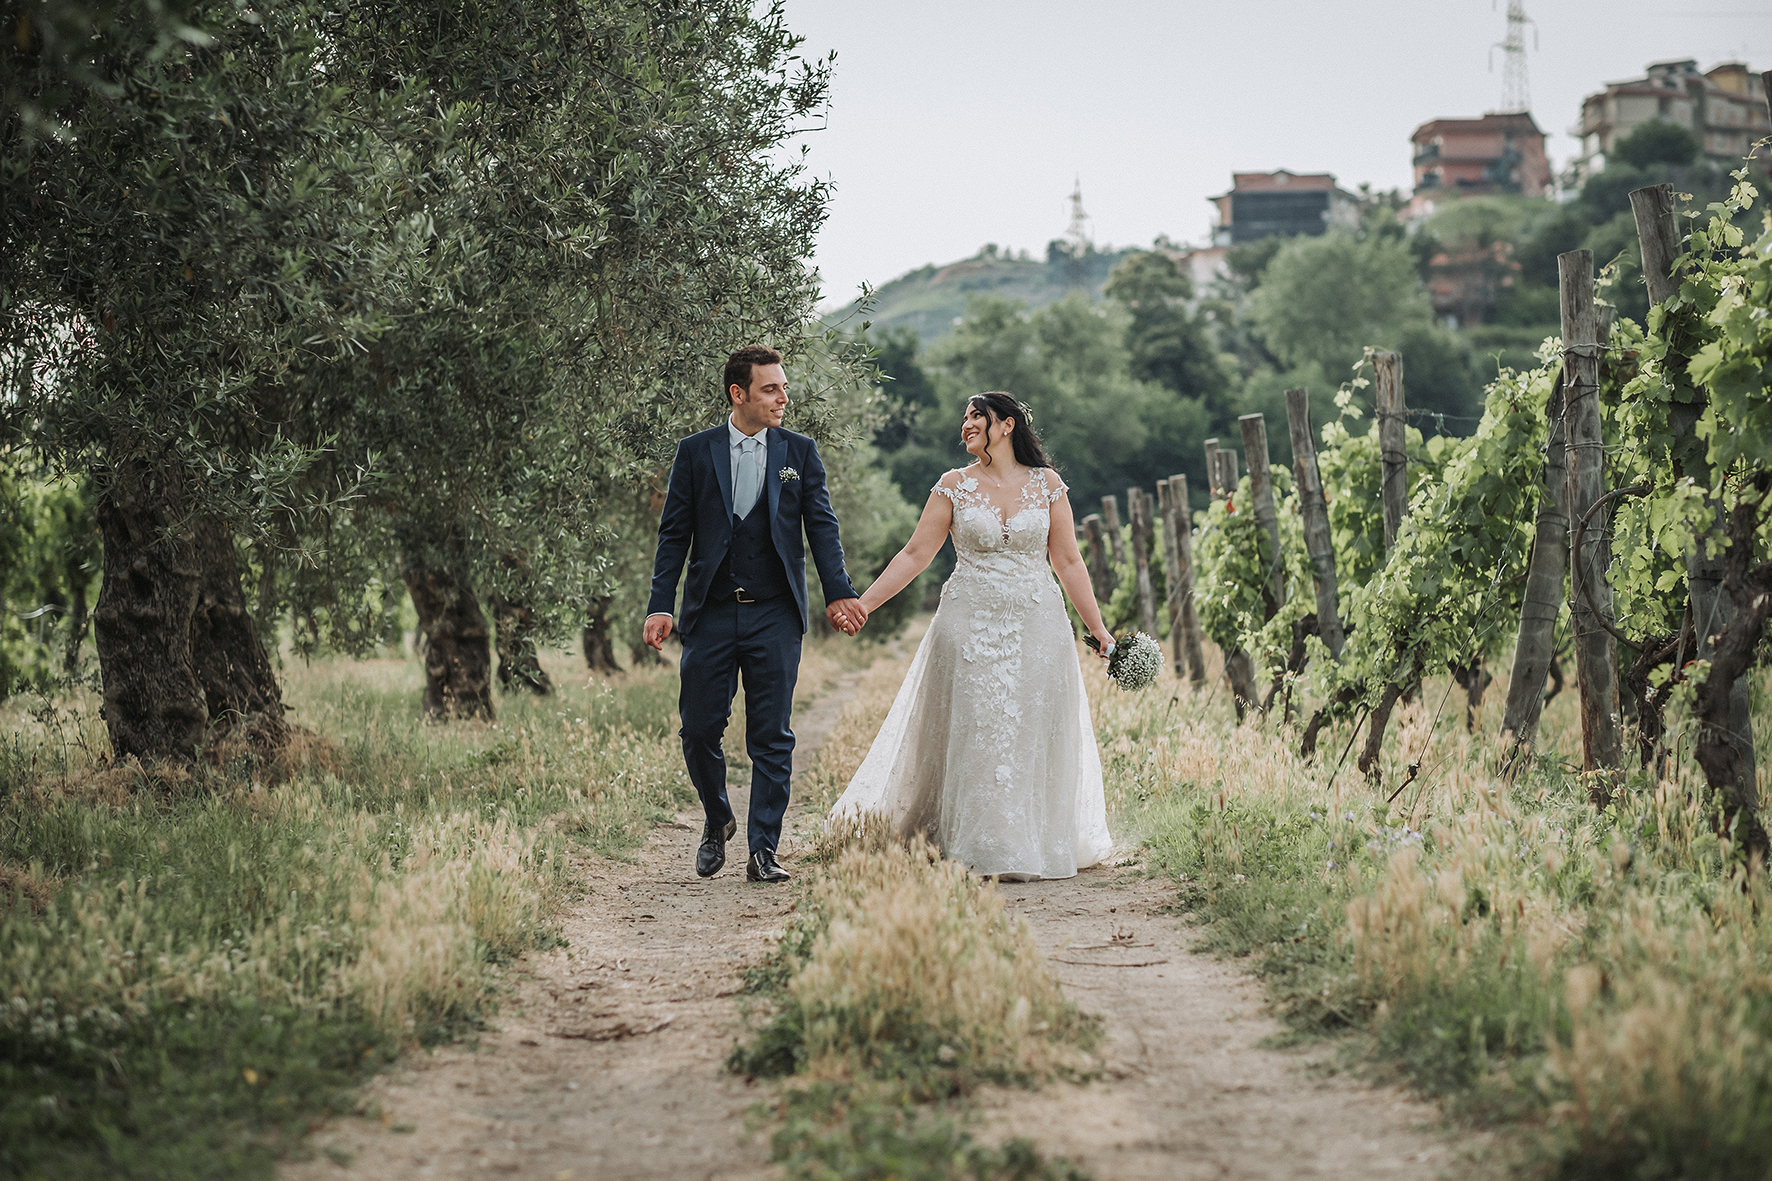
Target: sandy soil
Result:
[607, 1062]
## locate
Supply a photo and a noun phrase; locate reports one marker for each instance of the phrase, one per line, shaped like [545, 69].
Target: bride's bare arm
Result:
[1072, 571]
[914, 558]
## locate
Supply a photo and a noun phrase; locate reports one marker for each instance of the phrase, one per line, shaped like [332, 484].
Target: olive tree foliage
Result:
[174, 264]
[378, 293]
[622, 220]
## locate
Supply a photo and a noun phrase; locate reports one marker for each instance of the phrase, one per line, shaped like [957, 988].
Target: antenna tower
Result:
[1076, 237]
[1516, 93]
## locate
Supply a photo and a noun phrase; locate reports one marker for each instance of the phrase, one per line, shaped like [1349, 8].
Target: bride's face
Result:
[977, 430]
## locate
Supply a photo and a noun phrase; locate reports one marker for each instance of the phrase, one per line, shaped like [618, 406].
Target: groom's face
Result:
[764, 404]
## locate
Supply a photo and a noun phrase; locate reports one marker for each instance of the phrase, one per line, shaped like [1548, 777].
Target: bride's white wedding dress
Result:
[989, 749]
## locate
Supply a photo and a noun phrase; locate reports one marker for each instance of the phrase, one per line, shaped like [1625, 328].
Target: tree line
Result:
[311, 308]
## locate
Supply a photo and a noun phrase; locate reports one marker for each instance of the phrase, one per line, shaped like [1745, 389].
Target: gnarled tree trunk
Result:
[598, 642]
[182, 662]
[458, 655]
[154, 705]
[240, 687]
[519, 665]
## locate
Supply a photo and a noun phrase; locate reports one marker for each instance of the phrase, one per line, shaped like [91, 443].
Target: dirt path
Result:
[1187, 1092]
[608, 1062]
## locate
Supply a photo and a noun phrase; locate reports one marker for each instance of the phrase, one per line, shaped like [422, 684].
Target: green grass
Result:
[831, 1131]
[193, 967]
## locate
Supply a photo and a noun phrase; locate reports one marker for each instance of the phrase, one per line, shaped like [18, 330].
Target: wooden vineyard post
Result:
[1138, 507]
[1227, 473]
[1591, 598]
[1658, 233]
[1393, 443]
[1213, 491]
[1184, 553]
[1110, 519]
[1315, 510]
[1178, 569]
[1261, 490]
[1239, 669]
[1543, 600]
[1171, 576]
[1099, 577]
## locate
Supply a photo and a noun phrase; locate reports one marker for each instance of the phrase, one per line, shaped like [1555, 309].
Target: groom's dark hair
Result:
[739, 365]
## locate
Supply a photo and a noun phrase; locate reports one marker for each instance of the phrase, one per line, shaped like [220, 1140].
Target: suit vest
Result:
[751, 561]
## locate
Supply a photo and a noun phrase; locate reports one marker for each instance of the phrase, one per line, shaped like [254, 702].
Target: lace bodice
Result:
[981, 530]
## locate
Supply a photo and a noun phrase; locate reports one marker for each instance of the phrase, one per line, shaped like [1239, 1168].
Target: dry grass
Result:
[288, 925]
[918, 962]
[1607, 975]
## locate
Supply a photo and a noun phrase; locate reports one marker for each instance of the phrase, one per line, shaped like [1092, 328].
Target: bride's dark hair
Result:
[997, 406]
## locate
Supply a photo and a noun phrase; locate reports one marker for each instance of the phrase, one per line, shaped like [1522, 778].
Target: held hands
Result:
[847, 615]
[1105, 639]
[658, 629]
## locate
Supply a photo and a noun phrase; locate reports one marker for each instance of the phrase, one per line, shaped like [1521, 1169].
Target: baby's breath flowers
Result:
[1134, 661]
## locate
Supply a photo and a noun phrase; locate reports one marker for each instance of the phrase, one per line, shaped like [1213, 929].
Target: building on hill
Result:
[1265, 204]
[1498, 153]
[1724, 107]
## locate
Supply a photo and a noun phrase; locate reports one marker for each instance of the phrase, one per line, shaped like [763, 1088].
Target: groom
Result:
[738, 497]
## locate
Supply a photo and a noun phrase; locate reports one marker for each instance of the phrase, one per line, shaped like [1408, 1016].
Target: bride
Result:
[989, 749]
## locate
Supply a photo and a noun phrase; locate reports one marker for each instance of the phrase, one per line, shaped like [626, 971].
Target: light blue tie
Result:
[750, 477]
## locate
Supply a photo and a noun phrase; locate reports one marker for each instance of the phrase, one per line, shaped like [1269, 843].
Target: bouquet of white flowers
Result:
[1133, 663]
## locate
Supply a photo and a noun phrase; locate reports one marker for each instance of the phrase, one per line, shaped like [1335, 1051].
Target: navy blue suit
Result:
[725, 639]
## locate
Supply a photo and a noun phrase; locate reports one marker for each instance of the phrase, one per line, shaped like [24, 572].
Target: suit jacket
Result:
[697, 521]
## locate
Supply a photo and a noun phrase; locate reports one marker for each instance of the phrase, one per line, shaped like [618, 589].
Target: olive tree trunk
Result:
[153, 704]
[240, 687]
[181, 661]
[599, 642]
[458, 656]
[519, 664]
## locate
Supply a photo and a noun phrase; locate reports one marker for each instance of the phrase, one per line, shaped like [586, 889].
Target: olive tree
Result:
[382, 294]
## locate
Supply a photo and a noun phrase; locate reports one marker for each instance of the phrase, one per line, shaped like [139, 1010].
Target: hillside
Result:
[932, 297]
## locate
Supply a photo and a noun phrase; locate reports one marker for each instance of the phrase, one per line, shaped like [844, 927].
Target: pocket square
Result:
[788, 473]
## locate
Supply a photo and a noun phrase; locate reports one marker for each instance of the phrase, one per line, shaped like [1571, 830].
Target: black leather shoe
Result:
[762, 867]
[711, 857]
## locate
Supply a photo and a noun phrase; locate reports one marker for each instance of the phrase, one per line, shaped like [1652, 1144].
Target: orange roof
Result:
[1517, 122]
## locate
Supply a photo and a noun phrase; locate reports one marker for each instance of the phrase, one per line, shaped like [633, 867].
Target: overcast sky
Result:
[959, 122]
